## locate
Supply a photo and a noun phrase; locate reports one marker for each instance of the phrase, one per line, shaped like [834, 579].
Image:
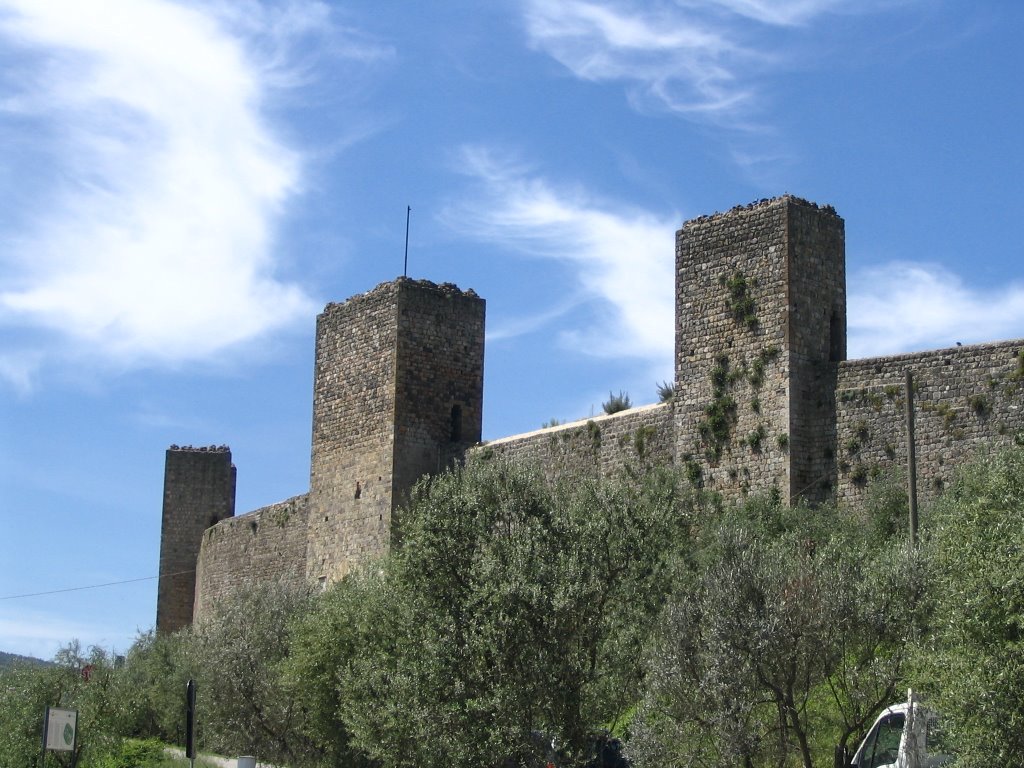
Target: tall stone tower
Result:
[397, 394]
[199, 491]
[760, 328]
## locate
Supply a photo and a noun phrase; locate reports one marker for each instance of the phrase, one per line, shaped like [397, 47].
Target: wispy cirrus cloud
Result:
[144, 126]
[907, 307]
[623, 257]
[699, 59]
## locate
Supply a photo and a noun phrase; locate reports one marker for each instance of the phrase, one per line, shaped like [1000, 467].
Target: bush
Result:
[616, 403]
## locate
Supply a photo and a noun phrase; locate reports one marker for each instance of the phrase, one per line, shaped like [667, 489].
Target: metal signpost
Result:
[190, 722]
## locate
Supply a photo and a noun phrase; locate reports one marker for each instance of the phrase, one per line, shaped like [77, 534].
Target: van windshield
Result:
[883, 745]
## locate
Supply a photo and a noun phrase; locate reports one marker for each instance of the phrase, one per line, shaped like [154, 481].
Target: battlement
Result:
[764, 202]
[200, 449]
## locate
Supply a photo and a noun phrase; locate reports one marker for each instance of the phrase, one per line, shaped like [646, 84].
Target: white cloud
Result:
[623, 257]
[164, 180]
[907, 307]
[700, 59]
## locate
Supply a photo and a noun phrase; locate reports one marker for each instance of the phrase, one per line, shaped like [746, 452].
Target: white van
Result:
[905, 735]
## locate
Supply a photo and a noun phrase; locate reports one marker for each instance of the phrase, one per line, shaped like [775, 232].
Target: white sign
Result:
[60, 729]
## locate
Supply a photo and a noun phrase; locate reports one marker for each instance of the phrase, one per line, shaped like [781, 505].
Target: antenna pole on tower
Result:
[405, 268]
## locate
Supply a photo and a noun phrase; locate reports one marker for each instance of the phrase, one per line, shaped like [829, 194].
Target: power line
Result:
[92, 586]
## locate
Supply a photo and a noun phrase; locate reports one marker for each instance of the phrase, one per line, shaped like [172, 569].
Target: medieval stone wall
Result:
[439, 381]
[199, 491]
[756, 290]
[398, 392]
[264, 546]
[965, 398]
[353, 431]
[815, 340]
[763, 400]
[603, 444]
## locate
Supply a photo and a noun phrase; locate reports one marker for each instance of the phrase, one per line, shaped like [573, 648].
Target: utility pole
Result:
[911, 459]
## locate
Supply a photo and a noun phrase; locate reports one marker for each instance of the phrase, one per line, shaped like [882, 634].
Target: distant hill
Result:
[11, 659]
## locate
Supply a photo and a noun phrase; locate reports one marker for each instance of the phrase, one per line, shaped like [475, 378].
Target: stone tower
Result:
[397, 394]
[760, 328]
[199, 491]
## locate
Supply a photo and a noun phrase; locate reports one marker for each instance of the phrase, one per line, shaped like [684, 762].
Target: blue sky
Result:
[185, 184]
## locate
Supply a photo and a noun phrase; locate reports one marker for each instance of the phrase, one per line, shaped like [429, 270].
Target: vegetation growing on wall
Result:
[616, 403]
[740, 303]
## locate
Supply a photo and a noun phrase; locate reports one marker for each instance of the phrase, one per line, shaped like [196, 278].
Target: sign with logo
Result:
[59, 729]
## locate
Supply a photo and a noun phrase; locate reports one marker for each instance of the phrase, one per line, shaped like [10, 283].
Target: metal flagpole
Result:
[405, 268]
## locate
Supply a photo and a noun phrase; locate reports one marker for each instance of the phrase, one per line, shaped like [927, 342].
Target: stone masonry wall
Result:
[738, 281]
[199, 491]
[399, 371]
[264, 546]
[439, 380]
[966, 399]
[815, 341]
[604, 444]
[353, 432]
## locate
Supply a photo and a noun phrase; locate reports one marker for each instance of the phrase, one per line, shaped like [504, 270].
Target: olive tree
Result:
[83, 680]
[511, 613]
[791, 635]
[973, 663]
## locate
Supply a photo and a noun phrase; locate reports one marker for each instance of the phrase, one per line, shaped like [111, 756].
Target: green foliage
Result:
[136, 753]
[665, 392]
[237, 655]
[616, 403]
[694, 472]
[789, 639]
[642, 440]
[976, 663]
[756, 437]
[715, 429]
[513, 607]
[26, 691]
[552, 422]
[153, 679]
[352, 623]
[859, 474]
[739, 301]
[980, 405]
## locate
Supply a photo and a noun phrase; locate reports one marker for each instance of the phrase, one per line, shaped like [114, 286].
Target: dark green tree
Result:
[236, 656]
[974, 662]
[512, 613]
[791, 636]
[26, 691]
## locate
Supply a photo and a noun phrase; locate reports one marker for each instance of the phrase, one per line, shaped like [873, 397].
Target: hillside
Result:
[8, 660]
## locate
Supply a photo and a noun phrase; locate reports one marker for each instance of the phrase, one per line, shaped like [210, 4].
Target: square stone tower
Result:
[760, 328]
[397, 394]
[199, 491]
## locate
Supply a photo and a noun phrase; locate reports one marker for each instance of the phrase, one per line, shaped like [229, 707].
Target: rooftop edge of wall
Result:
[254, 515]
[911, 357]
[447, 290]
[765, 202]
[604, 417]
